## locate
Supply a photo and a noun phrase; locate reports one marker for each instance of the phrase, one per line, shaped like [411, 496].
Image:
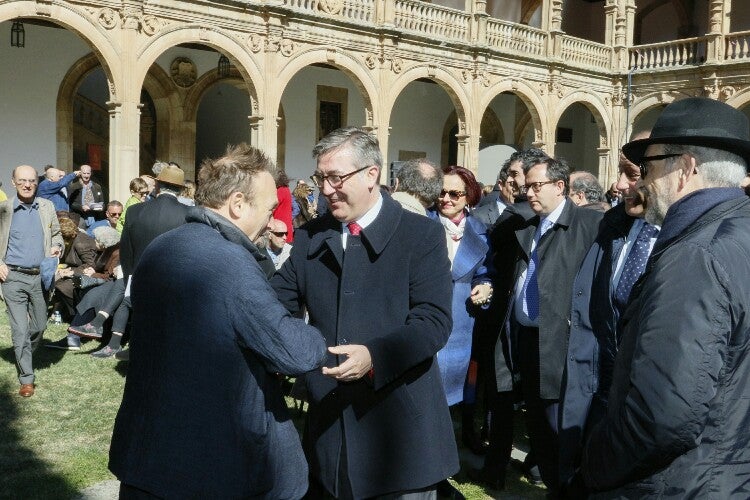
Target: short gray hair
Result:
[363, 145]
[412, 179]
[106, 236]
[586, 183]
[719, 168]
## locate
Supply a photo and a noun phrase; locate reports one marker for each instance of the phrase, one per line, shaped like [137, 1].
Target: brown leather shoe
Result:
[26, 390]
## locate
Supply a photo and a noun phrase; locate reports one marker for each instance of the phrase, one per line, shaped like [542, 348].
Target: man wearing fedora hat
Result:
[145, 222]
[679, 404]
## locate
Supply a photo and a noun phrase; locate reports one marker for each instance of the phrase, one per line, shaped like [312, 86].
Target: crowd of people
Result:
[616, 319]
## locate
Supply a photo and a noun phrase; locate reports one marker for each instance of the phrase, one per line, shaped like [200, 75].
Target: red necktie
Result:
[354, 228]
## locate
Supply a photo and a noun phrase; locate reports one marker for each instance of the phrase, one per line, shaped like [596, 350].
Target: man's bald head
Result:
[277, 232]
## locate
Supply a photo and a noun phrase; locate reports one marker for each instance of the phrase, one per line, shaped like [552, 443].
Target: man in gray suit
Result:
[29, 232]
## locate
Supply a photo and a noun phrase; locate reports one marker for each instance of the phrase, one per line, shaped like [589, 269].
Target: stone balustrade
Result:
[360, 11]
[431, 20]
[685, 52]
[737, 46]
[585, 53]
[516, 39]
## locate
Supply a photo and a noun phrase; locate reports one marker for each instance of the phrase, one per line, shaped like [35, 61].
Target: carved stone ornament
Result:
[183, 72]
[108, 18]
[203, 33]
[331, 55]
[465, 75]
[727, 92]
[431, 70]
[131, 18]
[371, 60]
[150, 25]
[286, 47]
[397, 65]
[484, 77]
[255, 42]
[332, 7]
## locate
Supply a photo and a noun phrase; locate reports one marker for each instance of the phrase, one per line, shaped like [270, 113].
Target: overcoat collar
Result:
[525, 235]
[375, 236]
[471, 250]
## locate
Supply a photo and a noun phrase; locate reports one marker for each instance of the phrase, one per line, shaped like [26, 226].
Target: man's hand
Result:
[3, 272]
[85, 208]
[89, 271]
[55, 251]
[358, 363]
[65, 273]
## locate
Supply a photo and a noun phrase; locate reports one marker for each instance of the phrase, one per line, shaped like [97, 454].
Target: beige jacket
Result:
[50, 225]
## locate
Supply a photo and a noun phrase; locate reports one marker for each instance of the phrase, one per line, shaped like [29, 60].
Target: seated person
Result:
[139, 190]
[111, 217]
[80, 253]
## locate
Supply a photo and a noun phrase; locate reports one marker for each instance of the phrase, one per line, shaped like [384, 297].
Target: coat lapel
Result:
[472, 251]
[328, 239]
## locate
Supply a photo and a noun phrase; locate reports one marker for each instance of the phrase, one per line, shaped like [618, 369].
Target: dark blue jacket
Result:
[592, 344]
[390, 291]
[53, 191]
[203, 415]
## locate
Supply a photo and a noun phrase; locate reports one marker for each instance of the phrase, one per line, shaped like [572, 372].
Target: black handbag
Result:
[82, 281]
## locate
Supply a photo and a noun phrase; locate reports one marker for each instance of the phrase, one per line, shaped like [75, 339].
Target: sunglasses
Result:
[279, 233]
[644, 162]
[452, 194]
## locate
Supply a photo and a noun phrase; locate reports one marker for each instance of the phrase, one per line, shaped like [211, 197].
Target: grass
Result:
[56, 443]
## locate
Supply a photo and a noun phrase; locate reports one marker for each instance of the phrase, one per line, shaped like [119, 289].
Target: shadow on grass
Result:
[43, 357]
[122, 368]
[24, 475]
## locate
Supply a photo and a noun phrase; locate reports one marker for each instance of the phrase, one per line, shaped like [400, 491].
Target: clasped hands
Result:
[357, 364]
[481, 294]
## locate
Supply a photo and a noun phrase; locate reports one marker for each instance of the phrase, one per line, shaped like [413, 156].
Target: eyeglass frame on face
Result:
[21, 182]
[279, 233]
[110, 214]
[535, 186]
[642, 163]
[341, 178]
[452, 194]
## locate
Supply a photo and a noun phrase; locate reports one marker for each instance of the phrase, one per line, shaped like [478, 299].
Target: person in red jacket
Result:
[283, 210]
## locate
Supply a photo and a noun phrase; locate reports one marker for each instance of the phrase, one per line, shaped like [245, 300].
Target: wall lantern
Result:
[17, 34]
[223, 68]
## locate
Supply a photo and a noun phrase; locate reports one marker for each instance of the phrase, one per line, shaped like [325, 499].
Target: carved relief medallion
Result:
[331, 6]
[183, 72]
[108, 18]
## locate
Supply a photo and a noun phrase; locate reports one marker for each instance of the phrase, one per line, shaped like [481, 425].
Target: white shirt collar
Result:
[369, 216]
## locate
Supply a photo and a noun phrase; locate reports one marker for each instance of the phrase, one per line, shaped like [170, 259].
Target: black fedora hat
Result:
[697, 121]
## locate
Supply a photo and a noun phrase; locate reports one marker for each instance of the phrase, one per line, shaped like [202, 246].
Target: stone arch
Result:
[79, 22]
[200, 87]
[740, 99]
[490, 128]
[529, 97]
[606, 160]
[597, 109]
[645, 103]
[356, 70]
[214, 38]
[447, 81]
[164, 94]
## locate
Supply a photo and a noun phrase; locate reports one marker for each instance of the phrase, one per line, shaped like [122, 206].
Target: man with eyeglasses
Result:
[550, 248]
[600, 295]
[29, 232]
[376, 282]
[277, 248]
[679, 405]
[112, 217]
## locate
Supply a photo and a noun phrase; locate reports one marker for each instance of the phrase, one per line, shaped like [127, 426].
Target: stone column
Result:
[718, 27]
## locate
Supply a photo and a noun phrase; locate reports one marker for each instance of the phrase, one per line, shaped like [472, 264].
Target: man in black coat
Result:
[600, 293]
[551, 246]
[679, 404]
[376, 281]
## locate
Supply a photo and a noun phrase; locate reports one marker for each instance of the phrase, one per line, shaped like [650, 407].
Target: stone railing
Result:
[737, 46]
[352, 10]
[686, 52]
[584, 53]
[432, 20]
[516, 38]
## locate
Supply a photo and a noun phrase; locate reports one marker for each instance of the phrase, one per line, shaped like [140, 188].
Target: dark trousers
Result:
[539, 412]
[27, 314]
[128, 492]
[501, 432]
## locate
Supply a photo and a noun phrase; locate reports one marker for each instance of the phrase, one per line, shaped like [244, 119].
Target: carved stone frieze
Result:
[397, 65]
[183, 72]
[371, 60]
[271, 43]
[44, 7]
[256, 42]
[332, 7]
[108, 18]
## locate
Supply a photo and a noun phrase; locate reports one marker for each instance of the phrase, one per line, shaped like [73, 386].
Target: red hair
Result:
[473, 190]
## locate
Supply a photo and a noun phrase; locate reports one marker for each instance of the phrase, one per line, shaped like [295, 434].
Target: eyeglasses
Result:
[646, 159]
[334, 180]
[536, 186]
[114, 214]
[279, 233]
[452, 194]
[143, 193]
[25, 181]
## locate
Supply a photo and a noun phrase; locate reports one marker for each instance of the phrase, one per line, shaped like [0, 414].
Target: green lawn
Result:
[55, 443]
